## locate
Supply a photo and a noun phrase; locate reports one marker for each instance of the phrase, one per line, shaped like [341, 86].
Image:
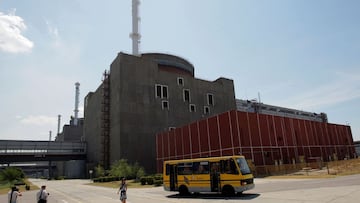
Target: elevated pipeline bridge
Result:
[12, 151]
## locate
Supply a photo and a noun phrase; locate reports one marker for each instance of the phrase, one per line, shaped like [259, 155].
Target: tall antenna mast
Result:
[135, 35]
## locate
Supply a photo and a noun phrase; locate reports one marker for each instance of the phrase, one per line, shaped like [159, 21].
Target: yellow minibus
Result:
[227, 175]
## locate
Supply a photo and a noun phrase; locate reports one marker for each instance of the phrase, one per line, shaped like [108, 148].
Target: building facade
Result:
[262, 138]
[143, 95]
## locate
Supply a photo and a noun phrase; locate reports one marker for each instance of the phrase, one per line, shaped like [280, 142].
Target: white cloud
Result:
[11, 39]
[39, 120]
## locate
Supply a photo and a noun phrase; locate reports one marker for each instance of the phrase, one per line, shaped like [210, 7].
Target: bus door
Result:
[215, 176]
[173, 177]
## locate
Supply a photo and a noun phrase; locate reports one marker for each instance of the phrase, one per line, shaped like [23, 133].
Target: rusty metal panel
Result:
[264, 130]
[179, 143]
[234, 131]
[243, 129]
[172, 144]
[225, 131]
[204, 139]
[195, 144]
[187, 142]
[214, 136]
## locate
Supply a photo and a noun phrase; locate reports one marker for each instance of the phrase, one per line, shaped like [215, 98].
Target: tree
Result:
[11, 174]
[120, 168]
[137, 171]
[99, 171]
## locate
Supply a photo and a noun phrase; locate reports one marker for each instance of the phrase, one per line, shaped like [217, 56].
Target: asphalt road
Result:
[341, 189]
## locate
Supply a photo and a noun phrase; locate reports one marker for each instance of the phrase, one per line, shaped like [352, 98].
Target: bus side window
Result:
[201, 167]
[229, 166]
[185, 169]
[233, 167]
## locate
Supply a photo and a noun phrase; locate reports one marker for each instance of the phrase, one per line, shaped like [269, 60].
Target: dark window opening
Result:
[165, 92]
[165, 105]
[158, 91]
[192, 108]
[180, 81]
[210, 99]
[187, 95]
[206, 110]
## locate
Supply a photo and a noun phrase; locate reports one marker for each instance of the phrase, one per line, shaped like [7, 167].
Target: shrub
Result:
[158, 182]
[143, 180]
[150, 180]
[12, 174]
[59, 177]
[158, 177]
[106, 179]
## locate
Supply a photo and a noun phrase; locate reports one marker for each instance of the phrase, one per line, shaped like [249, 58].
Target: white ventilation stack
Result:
[59, 120]
[135, 35]
[76, 111]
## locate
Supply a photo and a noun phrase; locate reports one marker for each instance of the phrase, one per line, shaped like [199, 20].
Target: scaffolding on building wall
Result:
[105, 121]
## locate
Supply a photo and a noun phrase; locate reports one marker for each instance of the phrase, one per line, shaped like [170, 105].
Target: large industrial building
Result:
[143, 95]
[264, 138]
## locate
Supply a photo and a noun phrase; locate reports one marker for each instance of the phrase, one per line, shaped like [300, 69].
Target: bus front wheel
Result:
[228, 191]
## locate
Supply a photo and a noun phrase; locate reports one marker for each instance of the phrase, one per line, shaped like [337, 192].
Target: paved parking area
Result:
[340, 189]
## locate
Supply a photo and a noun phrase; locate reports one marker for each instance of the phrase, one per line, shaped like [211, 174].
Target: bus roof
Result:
[204, 159]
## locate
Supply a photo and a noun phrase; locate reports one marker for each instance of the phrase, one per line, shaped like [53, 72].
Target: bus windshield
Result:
[244, 168]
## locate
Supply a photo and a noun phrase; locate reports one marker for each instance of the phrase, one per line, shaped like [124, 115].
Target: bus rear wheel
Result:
[183, 190]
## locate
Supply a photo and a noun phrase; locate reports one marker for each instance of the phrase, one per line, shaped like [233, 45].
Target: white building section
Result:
[258, 107]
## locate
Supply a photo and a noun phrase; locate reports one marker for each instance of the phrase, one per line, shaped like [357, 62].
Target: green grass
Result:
[5, 187]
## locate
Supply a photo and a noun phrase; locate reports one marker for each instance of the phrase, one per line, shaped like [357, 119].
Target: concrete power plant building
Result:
[143, 95]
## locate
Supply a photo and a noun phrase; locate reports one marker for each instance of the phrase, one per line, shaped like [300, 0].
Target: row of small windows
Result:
[161, 91]
[192, 107]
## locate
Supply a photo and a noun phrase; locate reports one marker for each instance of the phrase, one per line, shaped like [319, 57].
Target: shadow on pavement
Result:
[247, 196]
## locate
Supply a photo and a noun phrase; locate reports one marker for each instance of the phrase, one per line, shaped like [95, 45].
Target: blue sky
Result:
[296, 54]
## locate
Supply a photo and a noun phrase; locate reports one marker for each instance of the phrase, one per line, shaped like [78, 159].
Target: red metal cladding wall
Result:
[265, 139]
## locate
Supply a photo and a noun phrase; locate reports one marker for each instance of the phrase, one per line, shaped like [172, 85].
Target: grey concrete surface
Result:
[333, 190]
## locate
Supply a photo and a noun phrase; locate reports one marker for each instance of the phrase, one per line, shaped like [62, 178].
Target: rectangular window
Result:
[165, 104]
[161, 91]
[210, 99]
[158, 91]
[192, 107]
[201, 167]
[185, 168]
[186, 95]
[180, 81]
[206, 110]
[165, 91]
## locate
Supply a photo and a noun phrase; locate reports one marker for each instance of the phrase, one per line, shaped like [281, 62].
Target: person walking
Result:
[42, 195]
[122, 190]
[13, 195]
